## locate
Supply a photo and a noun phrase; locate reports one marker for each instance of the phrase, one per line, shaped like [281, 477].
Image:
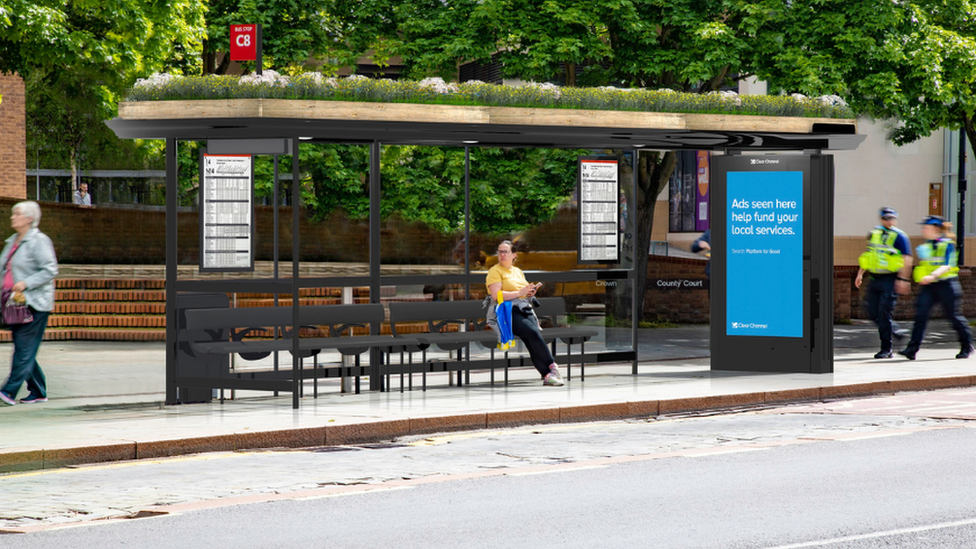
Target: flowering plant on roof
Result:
[312, 85]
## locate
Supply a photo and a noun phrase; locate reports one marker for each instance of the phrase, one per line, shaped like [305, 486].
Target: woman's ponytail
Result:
[947, 231]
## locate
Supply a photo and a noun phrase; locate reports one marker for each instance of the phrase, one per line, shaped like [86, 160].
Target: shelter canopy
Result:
[450, 125]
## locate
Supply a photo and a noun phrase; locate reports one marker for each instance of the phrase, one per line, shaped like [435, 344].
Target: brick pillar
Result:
[13, 137]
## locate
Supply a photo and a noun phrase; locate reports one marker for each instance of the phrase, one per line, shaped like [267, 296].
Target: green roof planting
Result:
[434, 91]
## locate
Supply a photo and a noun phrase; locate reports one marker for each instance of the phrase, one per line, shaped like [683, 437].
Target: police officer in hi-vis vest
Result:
[889, 260]
[938, 274]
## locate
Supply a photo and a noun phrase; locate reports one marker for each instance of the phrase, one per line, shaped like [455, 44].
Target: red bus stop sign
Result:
[243, 42]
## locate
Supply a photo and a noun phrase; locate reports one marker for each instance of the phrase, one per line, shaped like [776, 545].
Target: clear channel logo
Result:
[749, 326]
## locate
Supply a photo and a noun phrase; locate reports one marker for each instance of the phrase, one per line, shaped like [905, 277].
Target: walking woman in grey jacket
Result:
[28, 265]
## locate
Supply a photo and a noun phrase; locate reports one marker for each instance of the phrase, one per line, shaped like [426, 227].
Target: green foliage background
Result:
[511, 189]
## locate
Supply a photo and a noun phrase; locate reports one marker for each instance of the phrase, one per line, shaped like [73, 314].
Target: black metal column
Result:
[467, 220]
[172, 203]
[375, 194]
[295, 287]
[274, 206]
[961, 216]
[259, 62]
[277, 230]
[632, 275]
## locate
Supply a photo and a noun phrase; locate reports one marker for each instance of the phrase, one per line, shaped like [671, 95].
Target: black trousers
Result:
[527, 329]
[948, 293]
[880, 305]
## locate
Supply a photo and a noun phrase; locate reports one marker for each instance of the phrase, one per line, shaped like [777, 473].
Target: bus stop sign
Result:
[243, 42]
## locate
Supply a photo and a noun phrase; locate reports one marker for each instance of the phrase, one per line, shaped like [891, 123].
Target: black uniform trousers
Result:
[947, 292]
[880, 305]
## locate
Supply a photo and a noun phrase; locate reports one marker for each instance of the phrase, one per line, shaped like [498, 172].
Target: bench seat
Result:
[223, 330]
[307, 346]
[471, 313]
[439, 315]
[450, 341]
[569, 335]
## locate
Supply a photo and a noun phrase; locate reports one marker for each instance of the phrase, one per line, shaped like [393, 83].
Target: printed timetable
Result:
[599, 210]
[227, 213]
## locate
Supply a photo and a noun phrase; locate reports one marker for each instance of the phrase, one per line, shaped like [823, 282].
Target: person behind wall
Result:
[888, 259]
[81, 196]
[29, 267]
[507, 283]
[938, 274]
[704, 244]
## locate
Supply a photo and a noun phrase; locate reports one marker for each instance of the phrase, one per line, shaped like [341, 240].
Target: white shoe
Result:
[552, 379]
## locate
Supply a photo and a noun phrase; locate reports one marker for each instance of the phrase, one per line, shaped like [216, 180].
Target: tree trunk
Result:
[224, 64]
[653, 173]
[209, 58]
[571, 75]
[74, 173]
[969, 124]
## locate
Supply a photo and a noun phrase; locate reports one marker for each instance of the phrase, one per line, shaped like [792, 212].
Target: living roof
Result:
[266, 111]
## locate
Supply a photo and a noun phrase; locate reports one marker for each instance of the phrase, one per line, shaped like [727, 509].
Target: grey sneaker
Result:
[6, 400]
[553, 380]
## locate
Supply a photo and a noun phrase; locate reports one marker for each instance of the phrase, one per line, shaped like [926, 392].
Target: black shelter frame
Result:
[824, 136]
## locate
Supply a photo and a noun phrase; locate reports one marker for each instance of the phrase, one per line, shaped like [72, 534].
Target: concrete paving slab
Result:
[107, 399]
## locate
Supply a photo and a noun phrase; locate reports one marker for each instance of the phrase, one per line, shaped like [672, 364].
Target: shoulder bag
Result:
[15, 310]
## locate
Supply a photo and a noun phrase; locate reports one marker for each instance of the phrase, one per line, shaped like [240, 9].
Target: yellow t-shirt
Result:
[512, 279]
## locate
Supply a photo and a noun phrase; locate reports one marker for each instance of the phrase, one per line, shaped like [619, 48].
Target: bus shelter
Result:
[283, 127]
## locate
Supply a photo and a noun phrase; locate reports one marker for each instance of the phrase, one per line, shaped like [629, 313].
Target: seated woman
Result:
[506, 282]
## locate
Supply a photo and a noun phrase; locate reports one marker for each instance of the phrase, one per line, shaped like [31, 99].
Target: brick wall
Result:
[13, 137]
[137, 235]
[678, 304]
[132, 234]
[844, 299]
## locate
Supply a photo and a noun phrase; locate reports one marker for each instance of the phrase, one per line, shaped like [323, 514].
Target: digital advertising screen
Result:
[764, 251]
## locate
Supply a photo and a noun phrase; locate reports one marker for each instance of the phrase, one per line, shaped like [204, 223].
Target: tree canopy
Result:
[78, 57]
[689, 45]
[913, 61]
[111, 42]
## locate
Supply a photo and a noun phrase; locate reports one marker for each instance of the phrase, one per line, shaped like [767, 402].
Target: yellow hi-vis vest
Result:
[881, 256]
[932, 257]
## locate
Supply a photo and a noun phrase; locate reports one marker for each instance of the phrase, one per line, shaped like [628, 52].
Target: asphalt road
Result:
[881, 472]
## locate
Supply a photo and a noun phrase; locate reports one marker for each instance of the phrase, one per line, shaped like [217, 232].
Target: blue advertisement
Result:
[765, 254]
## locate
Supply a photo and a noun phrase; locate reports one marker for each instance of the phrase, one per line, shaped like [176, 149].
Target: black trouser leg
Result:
[950, 292]
[880, 306]
[527, 330]
[923, 306]
[24, 367]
